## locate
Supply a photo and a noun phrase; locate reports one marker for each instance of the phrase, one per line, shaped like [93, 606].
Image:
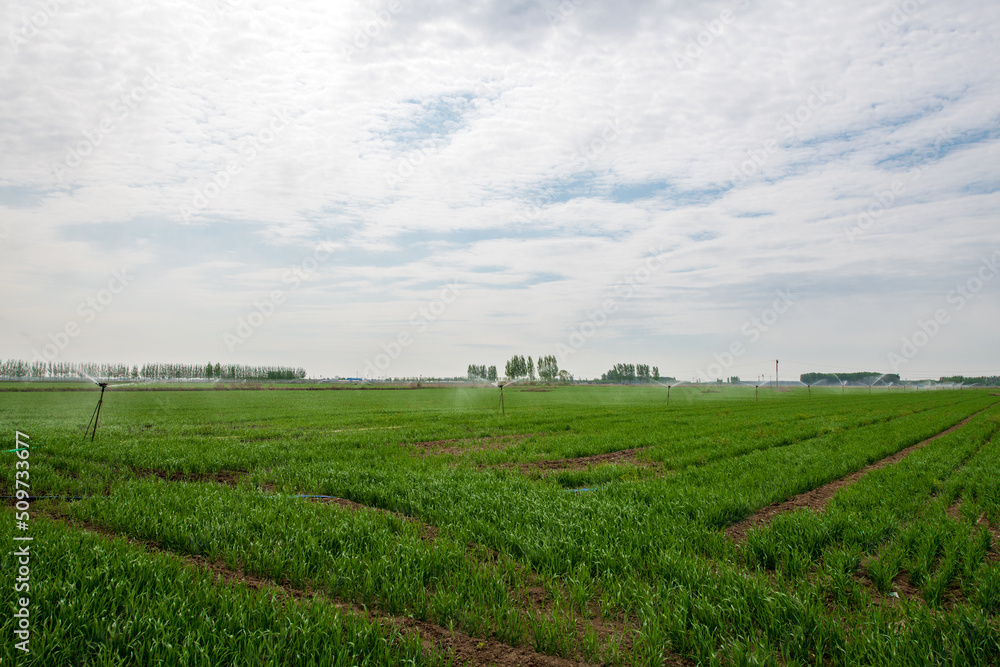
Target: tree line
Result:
[988, 380]
[520, 366]
[631, 373]
[482, 373]
[865, 378]
[17, 368]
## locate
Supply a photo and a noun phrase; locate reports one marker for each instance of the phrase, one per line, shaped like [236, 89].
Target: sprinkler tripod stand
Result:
[94, 418]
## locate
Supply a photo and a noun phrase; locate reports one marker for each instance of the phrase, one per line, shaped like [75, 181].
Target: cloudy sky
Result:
[402, 188]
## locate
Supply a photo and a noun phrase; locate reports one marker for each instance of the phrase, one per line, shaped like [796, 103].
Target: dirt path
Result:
[582, 462]
[465, 648]
[498, 442]
[818, 498]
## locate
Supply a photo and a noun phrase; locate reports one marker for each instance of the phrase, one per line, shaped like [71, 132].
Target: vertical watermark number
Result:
[22, 550]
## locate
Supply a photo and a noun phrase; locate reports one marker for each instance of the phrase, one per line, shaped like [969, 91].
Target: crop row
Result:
[101, 602]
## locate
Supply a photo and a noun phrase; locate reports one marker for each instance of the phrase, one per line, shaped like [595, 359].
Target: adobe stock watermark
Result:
[121, 110]
[223, 7]
[625, 289]
[711, 31]
[787, 127]
[489, 91]
[22, 518]
[365, 34]
[33, 24]
[752, 329]
[88, 310]
[247, 150]
[884, 199]
[901, 14]
[563, 11]
[264, 309]
[419, 320]
[407, 165]
[958, 298]
[596, 146]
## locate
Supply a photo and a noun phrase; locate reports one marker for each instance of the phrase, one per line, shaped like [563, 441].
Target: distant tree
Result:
[491, 375]
[531, 369]
[548, 368]
[517, 367]
[656, 372]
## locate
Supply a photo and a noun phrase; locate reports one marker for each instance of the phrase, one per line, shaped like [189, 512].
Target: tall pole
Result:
[776, 375]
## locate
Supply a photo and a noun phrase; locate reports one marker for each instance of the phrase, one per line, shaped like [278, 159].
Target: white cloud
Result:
[471, 141]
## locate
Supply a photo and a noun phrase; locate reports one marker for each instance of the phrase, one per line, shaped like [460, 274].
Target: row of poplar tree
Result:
[17, 368]
[632, 373]
[519, 367]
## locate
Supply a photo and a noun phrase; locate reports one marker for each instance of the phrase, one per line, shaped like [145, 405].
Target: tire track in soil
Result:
[465, 648]
[818, 498]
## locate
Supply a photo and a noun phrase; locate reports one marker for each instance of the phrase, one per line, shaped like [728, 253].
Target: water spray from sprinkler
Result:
[664, 385]
[96, 416]
[501, 384]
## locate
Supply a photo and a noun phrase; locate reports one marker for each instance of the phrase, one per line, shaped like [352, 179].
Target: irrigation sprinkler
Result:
[877, 380]
[501, 385]
[664, 385]
[96, 416]
[756, 387]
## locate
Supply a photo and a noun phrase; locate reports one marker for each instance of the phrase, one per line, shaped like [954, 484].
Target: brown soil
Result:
[499, 442]
[955, 511]
[818, 498]
[230, 477]
[465, 648]
[623, 456]
[905, 587]
[994, 553]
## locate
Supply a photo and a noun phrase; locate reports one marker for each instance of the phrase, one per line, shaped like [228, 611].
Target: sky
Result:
[405, 188]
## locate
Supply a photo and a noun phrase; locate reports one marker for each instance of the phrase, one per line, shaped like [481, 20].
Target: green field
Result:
[457, 534]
